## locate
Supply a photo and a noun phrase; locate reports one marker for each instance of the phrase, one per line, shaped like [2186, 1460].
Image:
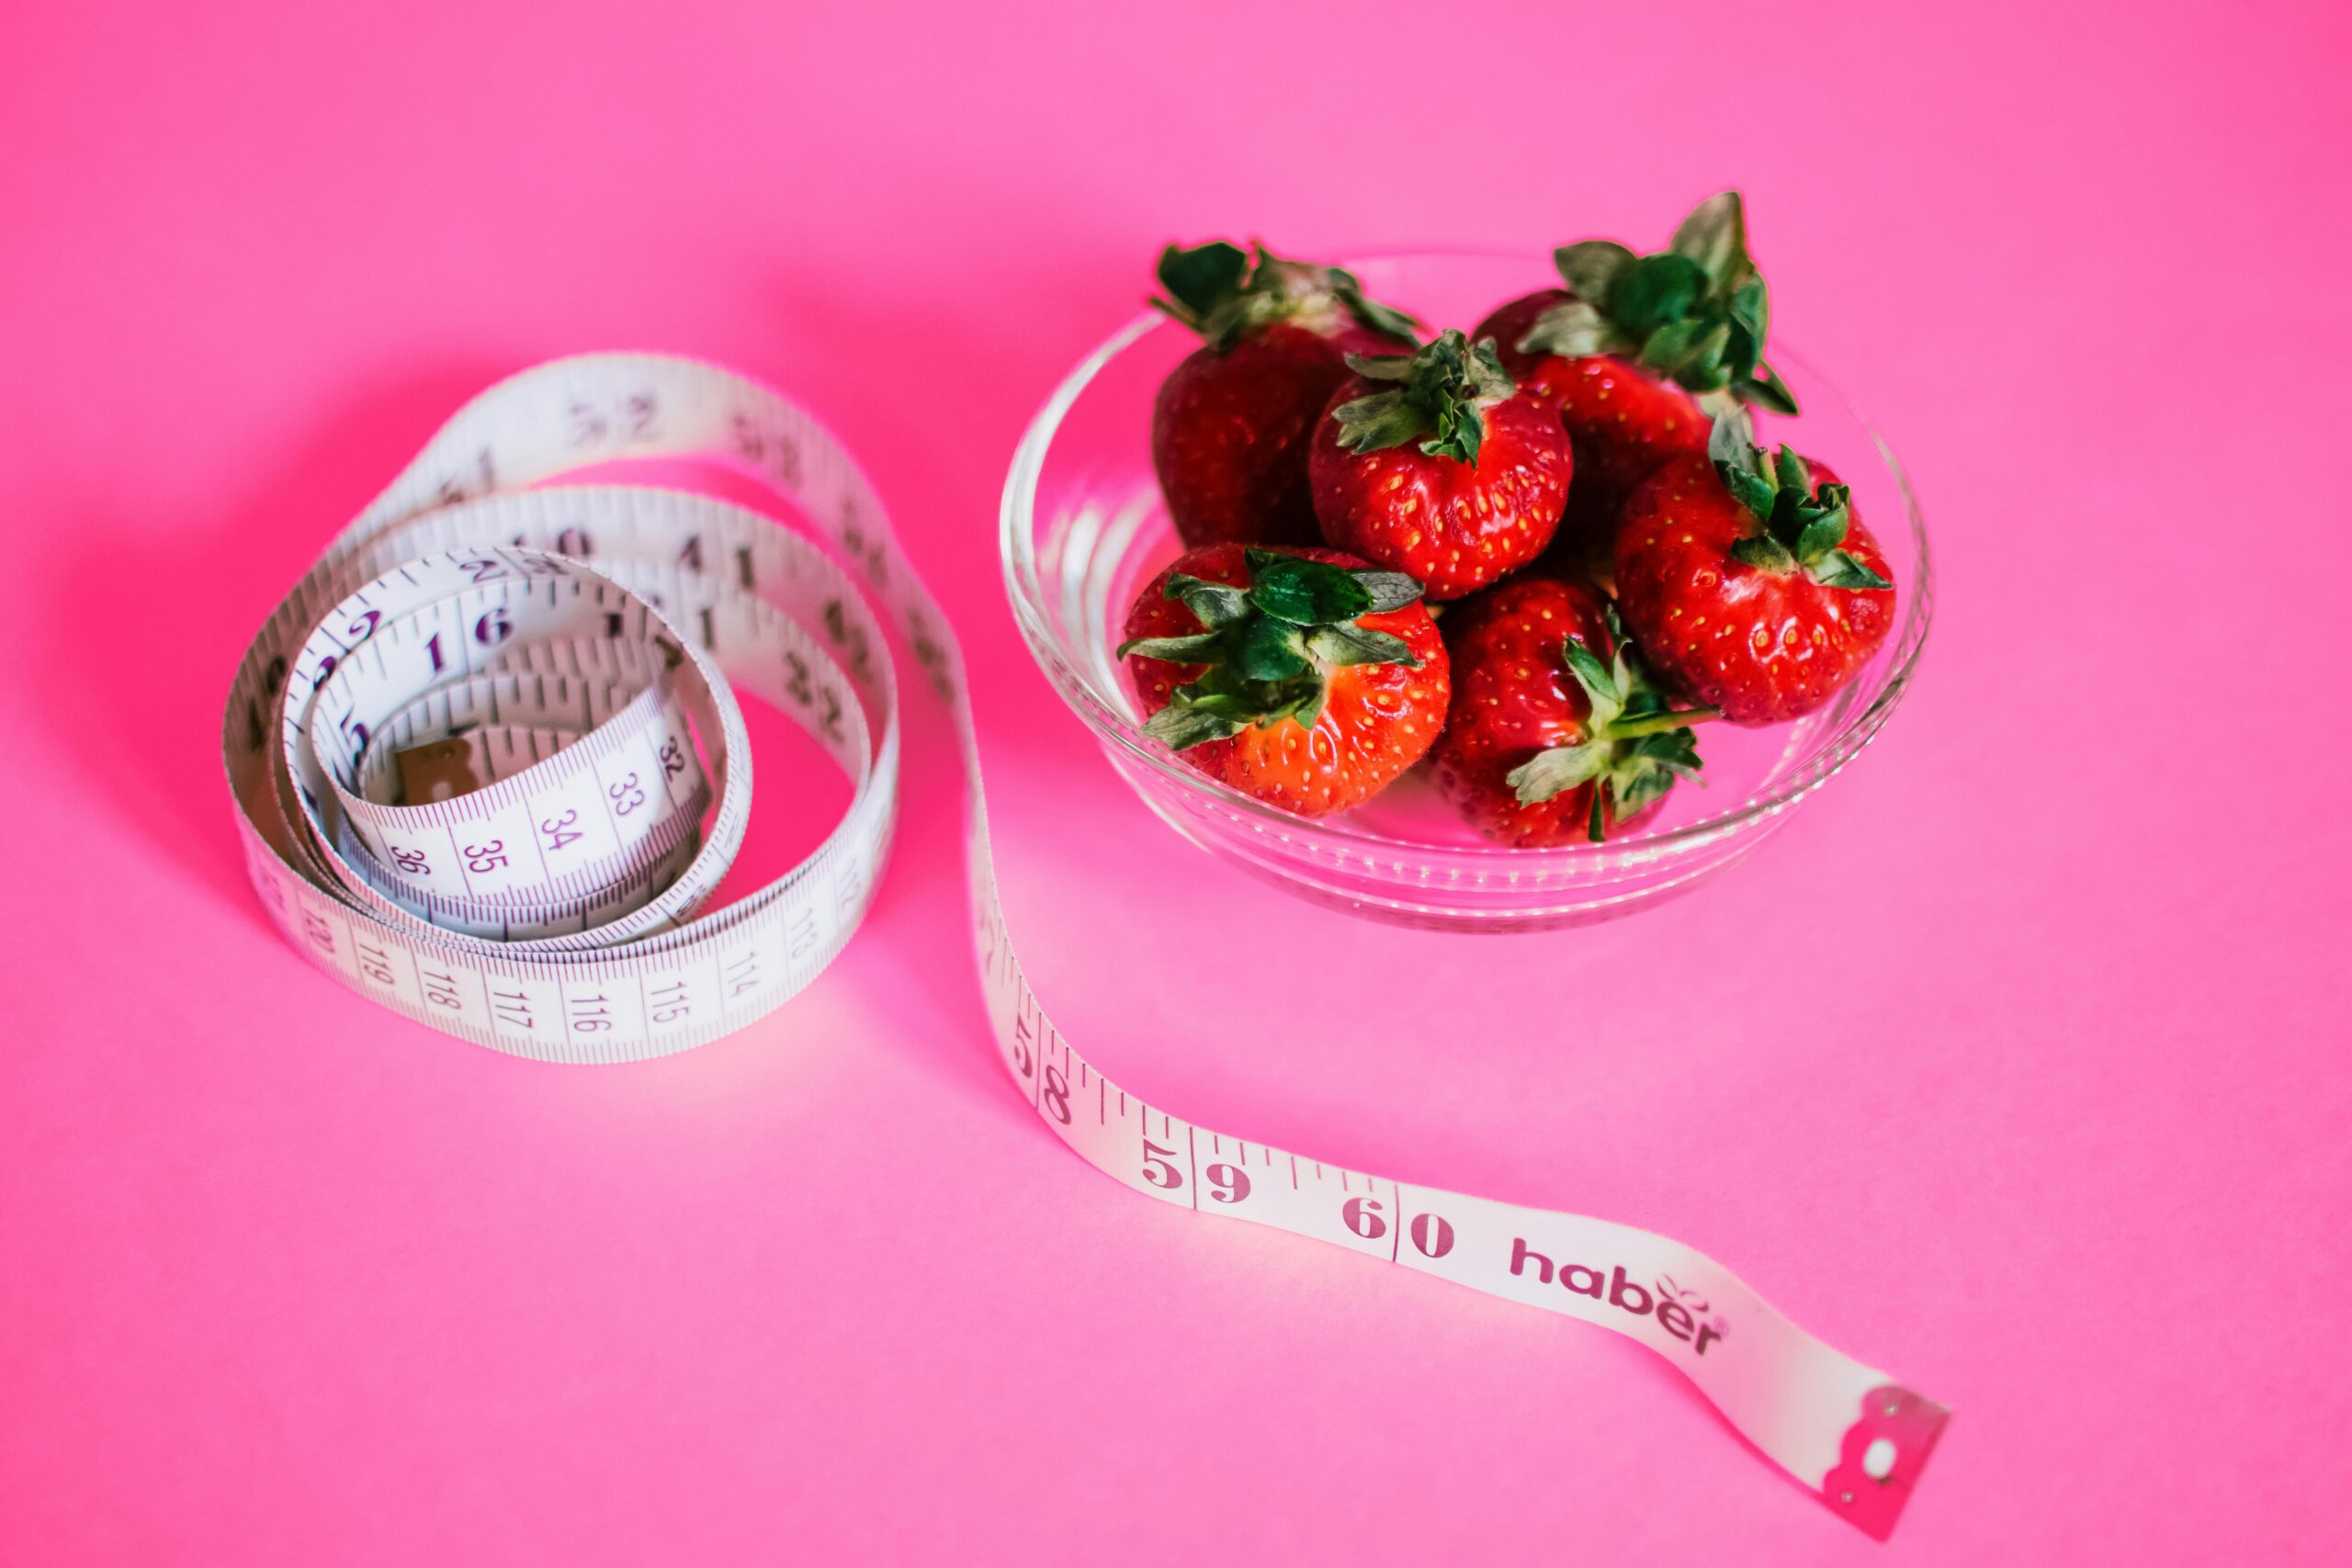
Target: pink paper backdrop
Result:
[2016, 1064]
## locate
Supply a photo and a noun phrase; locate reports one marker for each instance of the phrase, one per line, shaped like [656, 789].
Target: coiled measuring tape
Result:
[489, 766]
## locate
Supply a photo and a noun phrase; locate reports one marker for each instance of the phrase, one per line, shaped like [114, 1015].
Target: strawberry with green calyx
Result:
[1556, 733]
[1694, 312]
[1306, 679]
[1231, 425]
[1433, 465]
[1631, 349]
[1225, 295]
[1749, 579]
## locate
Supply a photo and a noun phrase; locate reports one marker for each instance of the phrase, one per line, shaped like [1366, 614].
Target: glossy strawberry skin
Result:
[1454, 525]
[1230, 431]
[1764, 647]
[1378, 719]
[1622, 419]
[1514, 696]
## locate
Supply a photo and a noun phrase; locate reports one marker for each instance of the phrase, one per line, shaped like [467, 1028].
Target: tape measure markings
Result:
[747, 604]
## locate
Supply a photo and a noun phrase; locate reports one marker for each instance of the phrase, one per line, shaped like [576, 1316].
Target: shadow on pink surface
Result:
[195, 595]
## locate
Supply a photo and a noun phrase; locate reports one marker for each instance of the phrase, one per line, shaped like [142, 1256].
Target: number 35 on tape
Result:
[489, 767]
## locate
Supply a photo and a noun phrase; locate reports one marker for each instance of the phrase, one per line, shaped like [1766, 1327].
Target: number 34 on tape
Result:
[489, 768]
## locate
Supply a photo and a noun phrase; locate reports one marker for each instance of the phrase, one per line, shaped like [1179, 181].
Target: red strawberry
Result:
[1432, 465]
[1749, 580]
[1555, 733]
[1302, 677]
[1623, 349]
[1622, 419]
[1231, 425]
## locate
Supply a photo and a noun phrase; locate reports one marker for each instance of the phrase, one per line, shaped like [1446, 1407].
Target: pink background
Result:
[2015, 1064]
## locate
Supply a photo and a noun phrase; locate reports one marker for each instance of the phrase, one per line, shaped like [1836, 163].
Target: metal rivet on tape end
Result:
[442, 769]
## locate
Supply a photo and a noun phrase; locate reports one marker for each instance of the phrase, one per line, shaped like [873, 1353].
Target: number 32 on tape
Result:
[488, 767]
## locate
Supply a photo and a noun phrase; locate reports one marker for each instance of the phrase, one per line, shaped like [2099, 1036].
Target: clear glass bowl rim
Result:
[1017, 549]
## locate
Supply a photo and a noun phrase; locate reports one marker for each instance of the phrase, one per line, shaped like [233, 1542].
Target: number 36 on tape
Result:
[489, 767]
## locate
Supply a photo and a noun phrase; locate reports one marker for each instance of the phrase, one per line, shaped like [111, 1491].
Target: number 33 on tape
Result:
[489, 768]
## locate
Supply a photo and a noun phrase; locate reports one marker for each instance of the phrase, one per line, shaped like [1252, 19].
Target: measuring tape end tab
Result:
[1881, 1456]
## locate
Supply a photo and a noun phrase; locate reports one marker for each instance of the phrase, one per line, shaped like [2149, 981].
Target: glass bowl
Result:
[1084, 529]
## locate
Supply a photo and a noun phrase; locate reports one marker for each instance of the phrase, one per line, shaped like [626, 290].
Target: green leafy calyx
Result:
[1224, 293]
[1440, 398]
[1696, 312]
[1270, 647]
[1799, 525]
[1634, 744]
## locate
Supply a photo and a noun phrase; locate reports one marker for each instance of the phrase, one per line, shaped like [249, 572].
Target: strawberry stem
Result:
[1656, 723]
[1442, 394]
[1798, 523]
[1225, 294]
[1633, 747]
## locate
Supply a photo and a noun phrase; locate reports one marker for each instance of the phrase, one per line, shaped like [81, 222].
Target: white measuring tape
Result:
[489, 765]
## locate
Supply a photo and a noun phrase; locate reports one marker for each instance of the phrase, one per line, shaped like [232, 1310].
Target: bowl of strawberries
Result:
[1462, 590]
